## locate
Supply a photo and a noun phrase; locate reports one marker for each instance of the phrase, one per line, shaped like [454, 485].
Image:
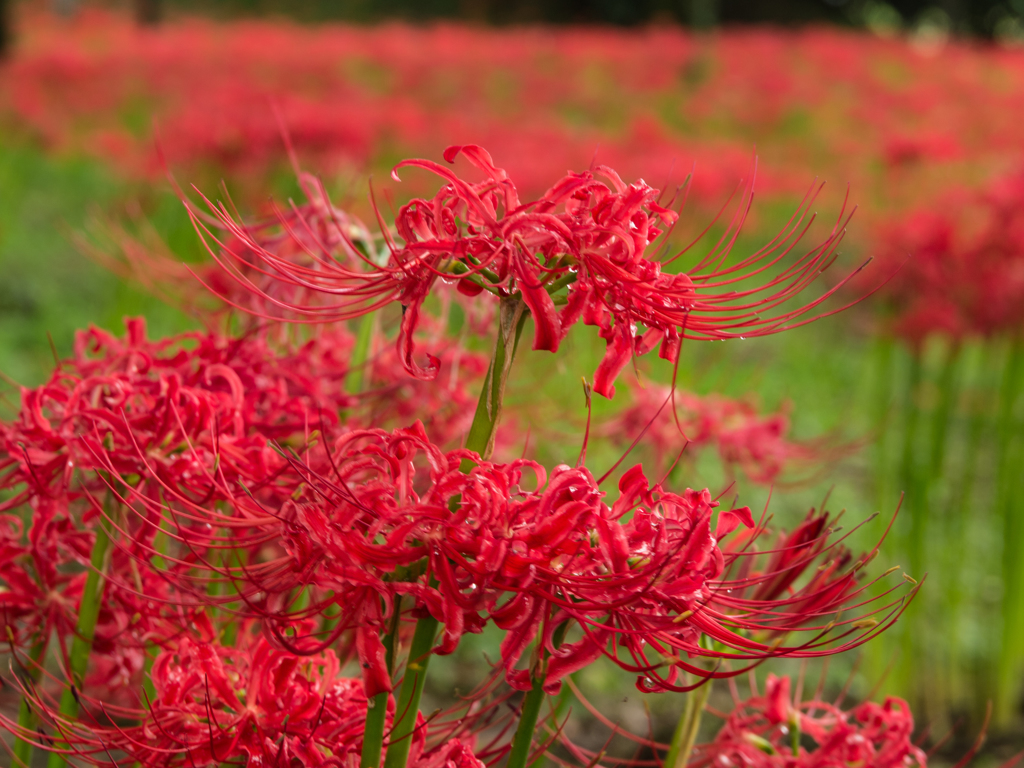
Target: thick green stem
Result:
[960, 519]
[373, 733]
[81, 647]
[884, 410]
[528, 715]
[686, 730]
[978, 420]
[356, 379]
[948, 391]
[512, 316]
[936, 686]
[488, 409]
[1007, 506]
[28, 719]
[910, 475]
[147, 676]
[218, 587]
[408, 704]
[915, 529]
[302, 600]
[880, 417]
[560, 705]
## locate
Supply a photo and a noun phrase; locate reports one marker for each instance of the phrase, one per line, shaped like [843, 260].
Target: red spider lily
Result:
[771, 731]
[784, 573]
[147, 423]
[167, 413]
[214, 704]
[293, 235]
[960, 275]
[587, 236]
[390, 514]
[281, 266]
[129, 419]
[37, 597]
[297, 236]
[391, 396]
[756, 443]
[41, 588]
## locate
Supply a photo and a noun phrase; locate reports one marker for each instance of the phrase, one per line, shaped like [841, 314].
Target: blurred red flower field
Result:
[308, 405]
[882, 115]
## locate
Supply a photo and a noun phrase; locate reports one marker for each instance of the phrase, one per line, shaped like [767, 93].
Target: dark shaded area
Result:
[5, 29]
[971, 17]
[147, 12]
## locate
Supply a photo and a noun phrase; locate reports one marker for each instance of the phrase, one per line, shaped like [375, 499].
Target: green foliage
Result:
[48, 285]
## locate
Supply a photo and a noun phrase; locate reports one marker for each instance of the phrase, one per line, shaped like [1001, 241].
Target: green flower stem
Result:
[488, 409]
[884, 407]
[161, 542]
[408, 704]
[219, 587]
[301, 601]
[686, 729]
[458, 268]
[528, 715]
[147, 677]
[910, 474]
[911, 526]
[373, 733]
[1008, 507]
[882, 411]
[512, 316]
[961, 517]
[949, 390]
[356, 379]
[28, 719]
[560, 705]
[977, 425]
[937, 686]
[81, 647]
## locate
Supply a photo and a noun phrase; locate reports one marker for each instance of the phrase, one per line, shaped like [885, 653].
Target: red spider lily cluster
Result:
[479, 547]
[961, 264]
[544, 99]
[206, 457]
[584, 245]
[772, 731]
[218, 525]
[675, 420]
[248, 701]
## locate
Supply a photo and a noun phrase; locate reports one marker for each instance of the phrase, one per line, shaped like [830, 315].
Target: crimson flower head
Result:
[127, 419]
[958, 269]
[544, 555]
[167, 412]
[582, 252]
[38, 596]
[215, 704]
[773, 731]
